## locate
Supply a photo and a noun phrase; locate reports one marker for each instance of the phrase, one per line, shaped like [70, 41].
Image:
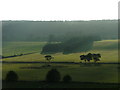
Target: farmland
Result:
[11, 48]
[104, 73]
[107, 48]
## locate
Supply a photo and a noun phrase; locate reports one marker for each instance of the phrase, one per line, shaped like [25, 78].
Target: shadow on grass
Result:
[90, 64]
[43, 84]
[44, 67]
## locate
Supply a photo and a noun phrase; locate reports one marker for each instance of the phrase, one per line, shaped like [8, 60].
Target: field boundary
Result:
[20, 62]
[2, 57]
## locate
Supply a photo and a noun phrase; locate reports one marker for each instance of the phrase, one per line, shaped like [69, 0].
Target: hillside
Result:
[107, 48]
[41, 30]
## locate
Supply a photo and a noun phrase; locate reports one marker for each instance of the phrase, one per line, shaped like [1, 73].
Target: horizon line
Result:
[63, 20]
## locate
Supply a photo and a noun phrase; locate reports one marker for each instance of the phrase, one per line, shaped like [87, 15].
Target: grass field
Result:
[103, 73]
[11, 48]
[107, 48]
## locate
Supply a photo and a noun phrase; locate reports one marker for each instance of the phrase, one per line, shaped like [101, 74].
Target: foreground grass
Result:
[41, 84]
[82, 73]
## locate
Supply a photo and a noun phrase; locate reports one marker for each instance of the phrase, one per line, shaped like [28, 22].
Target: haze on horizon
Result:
[46, 10]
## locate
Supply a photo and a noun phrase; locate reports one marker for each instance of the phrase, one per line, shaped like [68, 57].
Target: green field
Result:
[103, 73]
[107, 73]
[11, 48]
[107, 48]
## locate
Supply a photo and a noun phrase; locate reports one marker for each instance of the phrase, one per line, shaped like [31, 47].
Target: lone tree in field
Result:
[53, 76]
[67, 78]
[48, 58]
[11, 76]
[96, 57]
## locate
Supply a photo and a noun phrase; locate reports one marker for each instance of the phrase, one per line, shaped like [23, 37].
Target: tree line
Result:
[52, 76]
[42, 30]
[71, 45]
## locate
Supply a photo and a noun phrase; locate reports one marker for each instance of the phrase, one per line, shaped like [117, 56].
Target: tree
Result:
[11, 76]
[53, 76]
[83, 57]
[89, 57]
[48, 58]
[96, 57]
[67, 78]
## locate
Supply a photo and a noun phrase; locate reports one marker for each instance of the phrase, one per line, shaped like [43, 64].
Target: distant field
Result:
[11, 48]
[103, 73]
[106, 45]
[107, 48]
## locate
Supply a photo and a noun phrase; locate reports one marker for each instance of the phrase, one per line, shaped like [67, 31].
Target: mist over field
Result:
[61, 30]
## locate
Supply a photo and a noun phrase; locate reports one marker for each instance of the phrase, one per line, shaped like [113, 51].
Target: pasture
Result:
[107, 48]
[11, 48]
[92, 73]
[104, 73]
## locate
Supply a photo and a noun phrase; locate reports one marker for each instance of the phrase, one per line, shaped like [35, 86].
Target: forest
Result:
[58, 30]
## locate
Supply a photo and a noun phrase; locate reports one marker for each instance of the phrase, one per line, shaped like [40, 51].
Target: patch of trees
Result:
[72, 45]
[79, 44]
[54, 76]
[40, 30]
[90, 57]
[52, 48]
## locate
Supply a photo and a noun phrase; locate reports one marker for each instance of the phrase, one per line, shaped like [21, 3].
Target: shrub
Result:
[67, 78]
[11, 76]
[53, 76]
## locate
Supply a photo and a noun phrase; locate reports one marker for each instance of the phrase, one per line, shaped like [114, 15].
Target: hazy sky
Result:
[58, 9]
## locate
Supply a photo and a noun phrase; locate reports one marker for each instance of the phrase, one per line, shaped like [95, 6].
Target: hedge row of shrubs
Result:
[52, 76]
[16, 55]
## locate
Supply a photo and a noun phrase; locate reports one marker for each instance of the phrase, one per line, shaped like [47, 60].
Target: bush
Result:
[67, 78]
[11, 76]
[53, 76]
